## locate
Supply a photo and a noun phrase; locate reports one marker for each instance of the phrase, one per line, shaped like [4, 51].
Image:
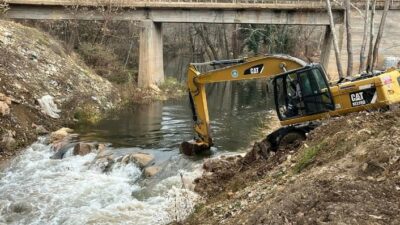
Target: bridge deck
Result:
[256, 4]
[254, 12]
[222, 4]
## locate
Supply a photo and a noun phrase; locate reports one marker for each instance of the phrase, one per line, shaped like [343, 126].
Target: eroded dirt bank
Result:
[42, 87]
[347, 172]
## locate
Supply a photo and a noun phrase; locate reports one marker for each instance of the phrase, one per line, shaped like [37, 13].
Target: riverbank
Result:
[44, 87]
[347, 172]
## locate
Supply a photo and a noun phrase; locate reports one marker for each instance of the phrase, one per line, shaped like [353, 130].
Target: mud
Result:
[346, 172]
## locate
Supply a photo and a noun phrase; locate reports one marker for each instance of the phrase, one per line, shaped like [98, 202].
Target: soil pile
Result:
[347, 172]
[47, 87]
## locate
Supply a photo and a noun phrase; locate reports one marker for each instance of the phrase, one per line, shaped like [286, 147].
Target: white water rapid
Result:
[38, 190]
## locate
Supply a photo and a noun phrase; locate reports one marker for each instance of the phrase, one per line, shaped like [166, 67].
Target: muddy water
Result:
[75, 190]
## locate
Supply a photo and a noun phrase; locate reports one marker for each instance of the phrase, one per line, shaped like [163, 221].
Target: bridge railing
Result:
[358, 3]
[378, 2]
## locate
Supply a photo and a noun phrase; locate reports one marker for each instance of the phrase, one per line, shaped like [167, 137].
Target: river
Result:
[35, 189]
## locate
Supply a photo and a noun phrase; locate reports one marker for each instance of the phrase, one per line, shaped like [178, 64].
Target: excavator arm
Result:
[238, 69]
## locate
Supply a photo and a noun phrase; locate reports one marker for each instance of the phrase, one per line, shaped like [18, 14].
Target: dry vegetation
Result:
[347, 172]
[32, 65]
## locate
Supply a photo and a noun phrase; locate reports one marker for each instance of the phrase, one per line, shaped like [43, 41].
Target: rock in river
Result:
[61, 148]
[82, 149]
[141, 159]
[151, 171]
[60, 134]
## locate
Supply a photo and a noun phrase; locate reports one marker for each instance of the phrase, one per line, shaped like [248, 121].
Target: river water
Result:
[76, 190]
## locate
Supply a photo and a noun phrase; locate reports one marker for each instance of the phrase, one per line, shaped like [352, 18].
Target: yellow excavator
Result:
[303, 96]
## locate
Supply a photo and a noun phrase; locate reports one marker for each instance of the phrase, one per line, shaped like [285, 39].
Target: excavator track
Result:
[290, 135]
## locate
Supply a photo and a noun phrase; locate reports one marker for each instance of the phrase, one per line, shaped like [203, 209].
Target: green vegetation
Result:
[307, 157]
[105, 62]
[172, 86]
[275, 38]
[87, 115]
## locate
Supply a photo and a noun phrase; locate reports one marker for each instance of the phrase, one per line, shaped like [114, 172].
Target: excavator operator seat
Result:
[302, 92]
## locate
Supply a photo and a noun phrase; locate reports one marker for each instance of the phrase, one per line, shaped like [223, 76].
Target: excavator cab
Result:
[302, 92]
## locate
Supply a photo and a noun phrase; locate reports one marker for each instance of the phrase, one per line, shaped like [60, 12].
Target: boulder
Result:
[60, 149]
[8, 139]
[4, 109]
[60, 134]
[82, 149]
[8, 101]
[141, 159]
[125, 159]
[101, 151]
[40, 130]
[105, 164]
[5, 99]
[151, 171]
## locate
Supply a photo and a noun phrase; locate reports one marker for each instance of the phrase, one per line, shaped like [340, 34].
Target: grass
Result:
[172, 85]
[87, 115]
[307, 157]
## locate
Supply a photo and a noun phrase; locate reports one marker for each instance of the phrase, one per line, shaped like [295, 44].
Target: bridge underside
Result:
[151, 54]
[301, 16]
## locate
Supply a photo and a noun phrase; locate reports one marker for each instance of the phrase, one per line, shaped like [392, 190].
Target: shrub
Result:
[307, 157]
[105, 62]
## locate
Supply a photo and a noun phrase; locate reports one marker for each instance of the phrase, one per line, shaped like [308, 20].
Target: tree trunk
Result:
[349, 41]
[365, 38]
[205, 35]
[207, 50]
[234, 41]
[380, 33]
[371, 37]
[226, 43]
[335, 42]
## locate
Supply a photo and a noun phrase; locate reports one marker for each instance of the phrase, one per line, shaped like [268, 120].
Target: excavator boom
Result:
[239, 69]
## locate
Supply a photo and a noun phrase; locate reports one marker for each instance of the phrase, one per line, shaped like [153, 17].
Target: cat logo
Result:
[257, 69]
[363, 97]
[357, 99]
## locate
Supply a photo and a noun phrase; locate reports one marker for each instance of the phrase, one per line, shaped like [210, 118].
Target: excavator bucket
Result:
[193, 147]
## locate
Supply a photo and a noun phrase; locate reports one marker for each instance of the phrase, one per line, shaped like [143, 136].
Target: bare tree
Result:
[205, 36]
[371, 37]
[235, 41]
[349, 41]
[365, 38]
[225, 40]
[3, 7]
[335, 42]
[380, 33]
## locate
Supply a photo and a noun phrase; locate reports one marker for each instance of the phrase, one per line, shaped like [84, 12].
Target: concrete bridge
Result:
[153, 14]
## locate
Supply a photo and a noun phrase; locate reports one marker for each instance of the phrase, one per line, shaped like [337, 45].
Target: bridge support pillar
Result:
[326, 47]
[328, 58]
[151, 65]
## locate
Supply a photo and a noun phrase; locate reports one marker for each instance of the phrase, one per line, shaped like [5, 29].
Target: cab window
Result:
[301, 93]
